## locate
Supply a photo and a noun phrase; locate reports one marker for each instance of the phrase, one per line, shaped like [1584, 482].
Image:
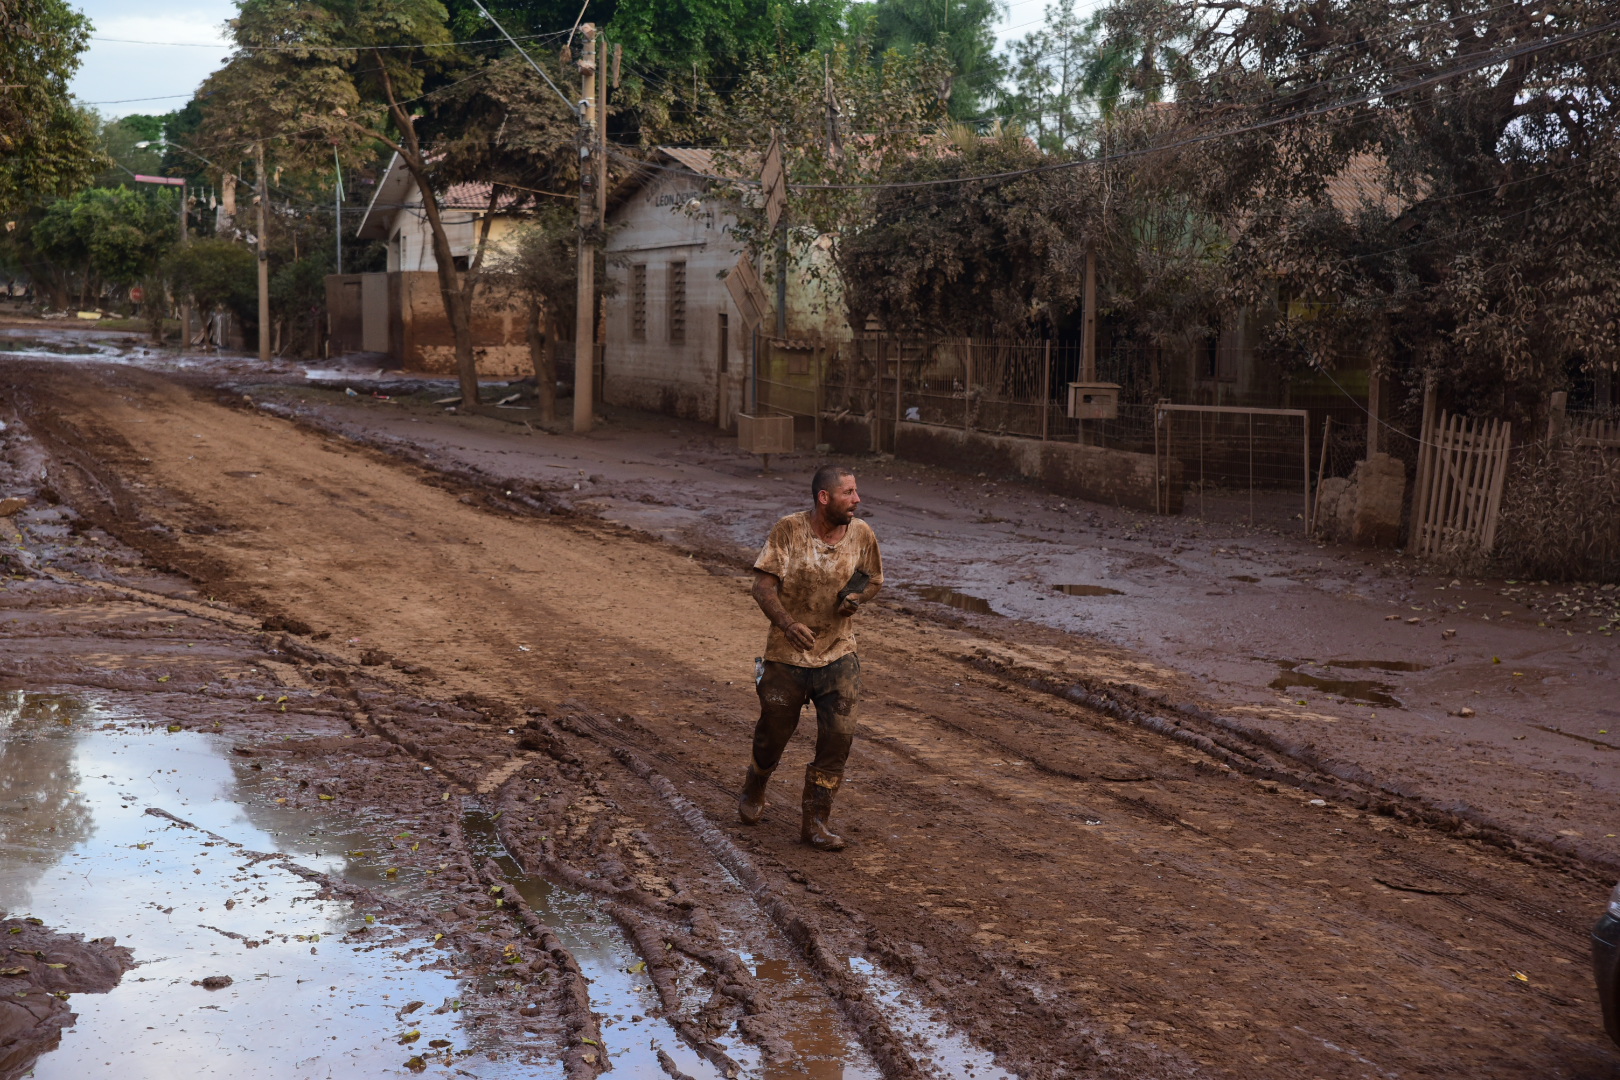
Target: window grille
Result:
[677, 303]
[638, 302]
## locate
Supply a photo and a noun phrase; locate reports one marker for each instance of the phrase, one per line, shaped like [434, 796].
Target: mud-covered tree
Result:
[941, 252]
[310, 75]
[48, 145]
[536, 268]
[844, 124]
[1480, 245]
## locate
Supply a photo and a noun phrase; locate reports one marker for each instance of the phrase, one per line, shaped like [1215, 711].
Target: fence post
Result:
[1046, 388]
[1426, 464]
[1557, 414]
[967, 388]
[820, 367]
[1374, 408]
[1321, 469]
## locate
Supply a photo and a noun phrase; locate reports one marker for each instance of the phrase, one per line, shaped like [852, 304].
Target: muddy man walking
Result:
[816, 571]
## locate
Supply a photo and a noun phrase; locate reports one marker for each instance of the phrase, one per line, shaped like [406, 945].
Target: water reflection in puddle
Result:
[940, 594]
[1087, 590]
[939, 1050]
[1367, 691]
[626, 1001]
[623, 1001]
[80, 852]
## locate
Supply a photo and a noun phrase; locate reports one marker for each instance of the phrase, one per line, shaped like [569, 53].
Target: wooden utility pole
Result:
[264, 253]
[185, 305]
[585, 296]
[1088, 332]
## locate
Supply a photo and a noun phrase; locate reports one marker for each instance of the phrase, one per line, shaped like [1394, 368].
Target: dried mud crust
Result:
[1081, 894]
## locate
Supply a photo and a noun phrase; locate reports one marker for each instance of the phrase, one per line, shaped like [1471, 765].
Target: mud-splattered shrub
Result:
[1561, 514]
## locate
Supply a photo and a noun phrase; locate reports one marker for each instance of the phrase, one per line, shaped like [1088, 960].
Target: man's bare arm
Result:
[769, 599]
[855, 601]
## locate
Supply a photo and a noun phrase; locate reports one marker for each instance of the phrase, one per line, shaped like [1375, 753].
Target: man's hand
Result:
[849, 605]
[802, 637]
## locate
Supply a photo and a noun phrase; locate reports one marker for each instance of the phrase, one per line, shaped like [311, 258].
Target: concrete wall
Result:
[1115, 477]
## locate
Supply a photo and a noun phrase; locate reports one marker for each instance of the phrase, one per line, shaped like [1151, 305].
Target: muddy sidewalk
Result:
[1065, 880]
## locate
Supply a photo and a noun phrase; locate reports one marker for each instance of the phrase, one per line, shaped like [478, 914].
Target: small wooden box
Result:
[1093, 400]
[764, 434]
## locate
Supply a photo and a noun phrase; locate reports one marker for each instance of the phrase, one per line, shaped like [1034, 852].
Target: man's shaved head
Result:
[826, 479]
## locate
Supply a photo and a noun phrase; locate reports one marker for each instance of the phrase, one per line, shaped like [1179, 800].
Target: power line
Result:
[324, 48]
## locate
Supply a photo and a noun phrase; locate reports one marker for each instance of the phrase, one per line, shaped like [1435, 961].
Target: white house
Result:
[674, 339]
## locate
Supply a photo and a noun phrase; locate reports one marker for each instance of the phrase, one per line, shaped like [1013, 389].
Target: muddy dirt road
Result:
[1079, 881]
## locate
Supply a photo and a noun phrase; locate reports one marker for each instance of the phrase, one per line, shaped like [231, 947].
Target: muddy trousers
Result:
[783, 691]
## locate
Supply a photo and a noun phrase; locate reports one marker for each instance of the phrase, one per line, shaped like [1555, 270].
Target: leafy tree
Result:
[103, 236]
[308, 75]
[1049, 69]
[1480, 244]
[216, 275]
[47, 144]
[964, 30]
[133, 144]
[670, 38]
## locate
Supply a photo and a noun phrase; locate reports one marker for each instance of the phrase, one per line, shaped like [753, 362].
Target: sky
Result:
[118, 77]
[113, 71]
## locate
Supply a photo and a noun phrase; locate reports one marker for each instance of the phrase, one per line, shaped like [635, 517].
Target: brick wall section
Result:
[1114, 477]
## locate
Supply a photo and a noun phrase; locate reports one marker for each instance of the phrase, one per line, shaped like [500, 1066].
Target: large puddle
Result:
[79, 850]
[81, 853]
[941, 594]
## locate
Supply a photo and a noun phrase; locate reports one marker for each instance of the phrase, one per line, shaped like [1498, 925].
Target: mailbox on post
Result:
[1093, 400]
[764, 435]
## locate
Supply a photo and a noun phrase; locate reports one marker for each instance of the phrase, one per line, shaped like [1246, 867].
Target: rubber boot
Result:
[818, 798]
[752, 804]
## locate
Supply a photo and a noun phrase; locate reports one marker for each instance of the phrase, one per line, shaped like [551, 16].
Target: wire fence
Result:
[1238, 465]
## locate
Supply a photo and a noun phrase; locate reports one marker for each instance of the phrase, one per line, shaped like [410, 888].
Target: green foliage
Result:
[47, 144]
[217, 275]
[298, 300]
[118, 141]
[963, 30]
[664, 40]
[114, 236]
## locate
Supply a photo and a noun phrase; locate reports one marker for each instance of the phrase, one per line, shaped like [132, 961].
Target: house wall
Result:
[410, 240]
[642, 366]
[402, 314]
[649, 370]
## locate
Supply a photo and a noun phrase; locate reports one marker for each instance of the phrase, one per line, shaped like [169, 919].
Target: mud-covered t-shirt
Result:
[811, 572]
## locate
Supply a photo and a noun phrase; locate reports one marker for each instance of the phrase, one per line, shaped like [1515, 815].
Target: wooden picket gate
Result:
[1461, 466]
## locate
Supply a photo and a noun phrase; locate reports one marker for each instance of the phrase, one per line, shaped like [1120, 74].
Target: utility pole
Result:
[337, 205]
[585, 296]
[185, 305]
[264, 253]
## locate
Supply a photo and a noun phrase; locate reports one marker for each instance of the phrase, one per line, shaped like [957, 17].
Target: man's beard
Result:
[839, 517]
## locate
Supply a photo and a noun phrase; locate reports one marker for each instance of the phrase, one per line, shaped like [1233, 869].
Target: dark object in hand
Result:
[857, 583]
